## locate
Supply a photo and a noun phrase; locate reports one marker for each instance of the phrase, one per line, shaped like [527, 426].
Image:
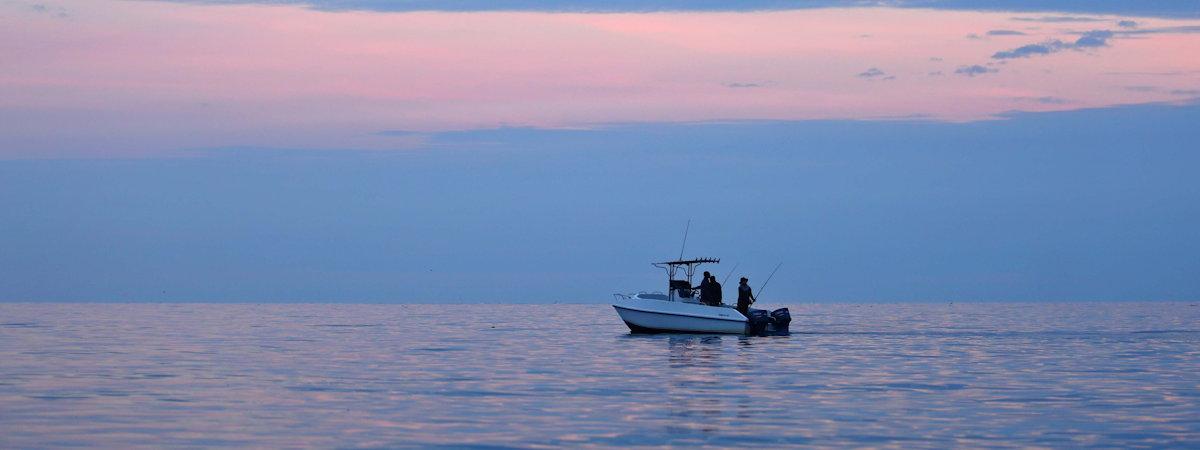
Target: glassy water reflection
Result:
[571, 375]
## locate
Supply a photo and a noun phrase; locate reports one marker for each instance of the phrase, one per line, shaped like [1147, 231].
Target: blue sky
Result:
[518, 152]
[1080, 205]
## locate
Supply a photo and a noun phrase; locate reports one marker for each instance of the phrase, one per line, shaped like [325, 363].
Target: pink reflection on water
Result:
[142, 77]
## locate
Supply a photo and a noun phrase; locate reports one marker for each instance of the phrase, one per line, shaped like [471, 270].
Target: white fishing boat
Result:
[680, 309]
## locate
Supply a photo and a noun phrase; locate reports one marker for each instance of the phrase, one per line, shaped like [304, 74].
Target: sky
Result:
[548, 152]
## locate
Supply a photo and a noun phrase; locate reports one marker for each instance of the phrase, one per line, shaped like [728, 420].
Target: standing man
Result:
[745, 297]
[716, 292]
[705, 288]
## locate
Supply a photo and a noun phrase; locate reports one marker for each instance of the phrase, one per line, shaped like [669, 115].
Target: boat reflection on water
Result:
[697, 363]
[708, 385]
[698, 351]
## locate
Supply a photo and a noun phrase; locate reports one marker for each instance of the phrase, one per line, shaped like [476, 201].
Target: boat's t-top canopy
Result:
[689, 262]
[682, 286]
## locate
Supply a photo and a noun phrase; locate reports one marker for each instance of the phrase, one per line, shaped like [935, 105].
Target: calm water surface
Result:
[932, 375]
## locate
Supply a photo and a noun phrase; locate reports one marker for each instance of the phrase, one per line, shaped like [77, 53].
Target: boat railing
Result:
[629, 296]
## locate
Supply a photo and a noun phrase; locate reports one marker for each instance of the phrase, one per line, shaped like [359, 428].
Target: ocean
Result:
[1123, 375]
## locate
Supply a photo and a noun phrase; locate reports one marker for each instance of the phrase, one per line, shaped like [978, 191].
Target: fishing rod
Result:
[726, 280]
[764, 285]
[684, 246]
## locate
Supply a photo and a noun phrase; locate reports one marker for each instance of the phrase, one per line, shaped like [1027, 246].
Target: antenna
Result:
[764, 285]
[685, 233]
[735, 266]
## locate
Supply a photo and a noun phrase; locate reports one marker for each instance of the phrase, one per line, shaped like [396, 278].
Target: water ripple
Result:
[420, 376]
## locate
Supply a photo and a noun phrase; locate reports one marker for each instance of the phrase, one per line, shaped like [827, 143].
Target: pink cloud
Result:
[143, 77]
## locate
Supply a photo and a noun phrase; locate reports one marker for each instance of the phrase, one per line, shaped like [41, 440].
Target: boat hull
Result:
[658, 316]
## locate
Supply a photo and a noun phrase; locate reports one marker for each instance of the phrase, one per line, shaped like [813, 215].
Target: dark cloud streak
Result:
[873, 72]
[1090, 39]
[973, 70]
[1025, 51]
[1057, 19]
[1180, 29]
[1045, 100]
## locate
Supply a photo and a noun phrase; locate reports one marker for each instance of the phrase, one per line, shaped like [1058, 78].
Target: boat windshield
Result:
[652, 296]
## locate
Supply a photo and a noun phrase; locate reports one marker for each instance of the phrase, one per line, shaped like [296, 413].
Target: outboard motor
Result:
[781, 318]
[758, 321]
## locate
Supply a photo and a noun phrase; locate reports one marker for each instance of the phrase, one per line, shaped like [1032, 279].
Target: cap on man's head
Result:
[745, 279]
